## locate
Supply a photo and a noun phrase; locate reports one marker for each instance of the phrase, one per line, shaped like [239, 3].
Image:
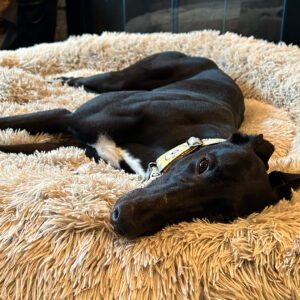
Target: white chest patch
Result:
[134, 163]
[109, 151]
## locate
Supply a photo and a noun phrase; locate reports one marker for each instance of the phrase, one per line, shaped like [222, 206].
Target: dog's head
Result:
[218, 182]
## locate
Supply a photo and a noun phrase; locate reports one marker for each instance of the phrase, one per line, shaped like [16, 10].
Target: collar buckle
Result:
[194, 142]
[152, 171]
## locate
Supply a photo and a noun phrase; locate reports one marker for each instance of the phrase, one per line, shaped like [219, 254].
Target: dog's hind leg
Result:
[49, 146]
[50, 121]
[149, 73]
[31, 148]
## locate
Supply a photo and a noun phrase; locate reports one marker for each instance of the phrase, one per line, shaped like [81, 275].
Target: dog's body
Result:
[149, 108]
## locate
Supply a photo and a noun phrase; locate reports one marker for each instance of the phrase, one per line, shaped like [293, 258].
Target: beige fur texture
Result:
[56, 241]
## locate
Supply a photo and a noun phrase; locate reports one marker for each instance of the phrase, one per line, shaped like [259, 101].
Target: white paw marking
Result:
[109, 151]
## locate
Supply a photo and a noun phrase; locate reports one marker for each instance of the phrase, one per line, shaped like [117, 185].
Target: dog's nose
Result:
[115, 214]
[121, 219]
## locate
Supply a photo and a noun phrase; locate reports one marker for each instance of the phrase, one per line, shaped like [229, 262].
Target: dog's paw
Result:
[71, 81]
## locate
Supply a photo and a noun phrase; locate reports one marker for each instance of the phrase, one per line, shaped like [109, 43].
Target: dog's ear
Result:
[283, 183]
[261, 147]
[239, 138]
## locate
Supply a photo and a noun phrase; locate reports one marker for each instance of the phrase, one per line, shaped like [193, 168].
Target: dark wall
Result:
[291, 23]
[273, 20]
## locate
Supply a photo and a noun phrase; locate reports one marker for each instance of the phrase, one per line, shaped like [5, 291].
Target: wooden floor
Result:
[4, 4]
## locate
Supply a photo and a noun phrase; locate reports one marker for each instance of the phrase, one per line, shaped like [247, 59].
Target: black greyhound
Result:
[151, 107]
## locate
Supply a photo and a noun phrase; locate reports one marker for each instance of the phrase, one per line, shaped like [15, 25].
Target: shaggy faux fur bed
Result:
[56, 241]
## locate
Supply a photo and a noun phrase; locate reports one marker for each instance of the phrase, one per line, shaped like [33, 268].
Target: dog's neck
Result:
[163, 162]
[135, 158]
[170, 138]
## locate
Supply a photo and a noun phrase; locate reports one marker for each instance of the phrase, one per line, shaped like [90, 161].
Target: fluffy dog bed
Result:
[56, 241]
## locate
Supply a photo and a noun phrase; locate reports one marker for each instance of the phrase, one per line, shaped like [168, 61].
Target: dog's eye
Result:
[203, 165]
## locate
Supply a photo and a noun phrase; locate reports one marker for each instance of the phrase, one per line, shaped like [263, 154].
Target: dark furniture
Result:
[29, 22]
